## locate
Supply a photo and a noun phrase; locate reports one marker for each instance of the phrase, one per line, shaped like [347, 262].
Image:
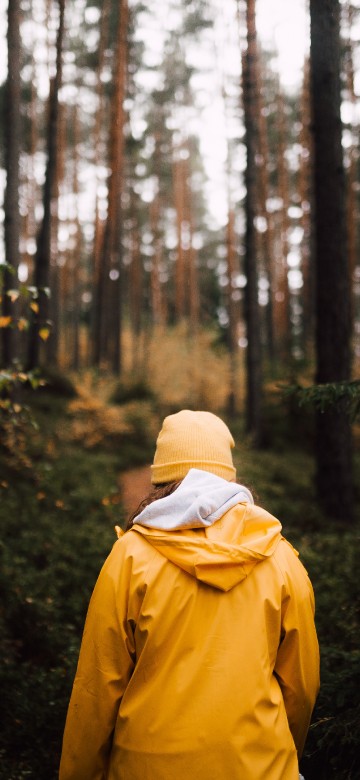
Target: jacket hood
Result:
[200, 500]
[210, 529]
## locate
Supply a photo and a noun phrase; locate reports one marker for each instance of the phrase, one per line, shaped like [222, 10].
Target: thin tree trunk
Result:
[156, 293]
[306, 202]
[334, 451]
[109, 290]
[31, 187]
[43, 251]
[12, 131]
[179, 198]
[231, 307]
[55, 304]
[136, 290]
[96, 270]
[283, 334]
[194, 296]
[252, 318]
[266, 237]
[76, 253]
[353, 155]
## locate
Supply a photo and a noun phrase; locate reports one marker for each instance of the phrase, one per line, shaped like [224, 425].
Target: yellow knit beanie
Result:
[188, 440]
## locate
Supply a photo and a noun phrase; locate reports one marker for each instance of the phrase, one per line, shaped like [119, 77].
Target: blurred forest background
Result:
[179, 228]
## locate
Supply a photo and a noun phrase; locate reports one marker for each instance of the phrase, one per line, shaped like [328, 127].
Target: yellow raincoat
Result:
[199, 659]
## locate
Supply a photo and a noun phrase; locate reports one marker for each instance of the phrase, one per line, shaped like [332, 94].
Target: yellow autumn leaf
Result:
[13, 295]
[44, 333]
[5, 322]
[34, 306]
[23, 324]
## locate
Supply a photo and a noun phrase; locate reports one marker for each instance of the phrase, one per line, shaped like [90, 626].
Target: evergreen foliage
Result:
[323, 397]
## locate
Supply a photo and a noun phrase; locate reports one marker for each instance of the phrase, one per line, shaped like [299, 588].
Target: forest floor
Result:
[64, 486]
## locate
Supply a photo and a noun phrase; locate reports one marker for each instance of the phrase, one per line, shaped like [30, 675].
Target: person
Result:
[199, 659]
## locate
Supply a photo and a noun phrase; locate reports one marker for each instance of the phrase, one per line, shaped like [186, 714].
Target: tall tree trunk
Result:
[31, 186]
[136, 287]
[353, 152]
[283, 334]
[266, 236]
[186, 278]
[252, 318]
[109, 288]
[179, 198]
[231, 307]
[191, 266]
[96, 269]
[55, 304]
[76, 252]
[12, 130]
[156, 292]
[333, 331]
[306, 201]
[43, 250]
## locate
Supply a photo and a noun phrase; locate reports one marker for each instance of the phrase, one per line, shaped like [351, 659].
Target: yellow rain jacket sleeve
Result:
[105, 666]
[199, 657]
[297, 662]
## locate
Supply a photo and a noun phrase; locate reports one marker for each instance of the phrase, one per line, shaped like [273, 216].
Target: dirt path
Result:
[134, 485]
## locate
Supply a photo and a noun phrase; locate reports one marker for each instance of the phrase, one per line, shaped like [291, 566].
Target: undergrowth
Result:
[57, 517]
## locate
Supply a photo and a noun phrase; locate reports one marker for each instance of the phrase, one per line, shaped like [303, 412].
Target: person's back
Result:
[199, 658]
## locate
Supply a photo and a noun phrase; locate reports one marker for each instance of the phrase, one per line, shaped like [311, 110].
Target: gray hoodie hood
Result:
[200, 500]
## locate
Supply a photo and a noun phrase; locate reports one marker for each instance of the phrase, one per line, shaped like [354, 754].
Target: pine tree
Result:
[108, 345]
[12, 131]
[334, 451]
[252, 318]
[40, 325]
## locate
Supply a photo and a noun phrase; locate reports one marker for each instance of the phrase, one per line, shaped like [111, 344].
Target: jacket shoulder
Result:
[294, 574]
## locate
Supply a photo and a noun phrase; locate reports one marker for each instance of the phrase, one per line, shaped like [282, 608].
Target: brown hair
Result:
[158, 491]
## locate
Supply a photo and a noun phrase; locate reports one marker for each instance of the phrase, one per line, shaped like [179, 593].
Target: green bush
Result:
[57, 528]
[56, 532]
[56, 383]
[333, 746]
[137, 390]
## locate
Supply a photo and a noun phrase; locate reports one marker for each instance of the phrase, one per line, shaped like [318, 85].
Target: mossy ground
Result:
[57, 519]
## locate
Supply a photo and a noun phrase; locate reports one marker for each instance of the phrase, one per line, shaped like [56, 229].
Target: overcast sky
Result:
[282, 24]
[278, 21]
[285, 24]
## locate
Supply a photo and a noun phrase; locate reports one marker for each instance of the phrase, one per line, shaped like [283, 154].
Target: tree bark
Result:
[136, 287]
[43, 249]
[333, 330]
[267, 236]
[306, 203]
[232, 314]
[179, 199]
[283, 329]
[252, 318]
[192, 269]
[12, 131]
[157, 307]
[108, 345]
[99, 224]
[353, 152]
